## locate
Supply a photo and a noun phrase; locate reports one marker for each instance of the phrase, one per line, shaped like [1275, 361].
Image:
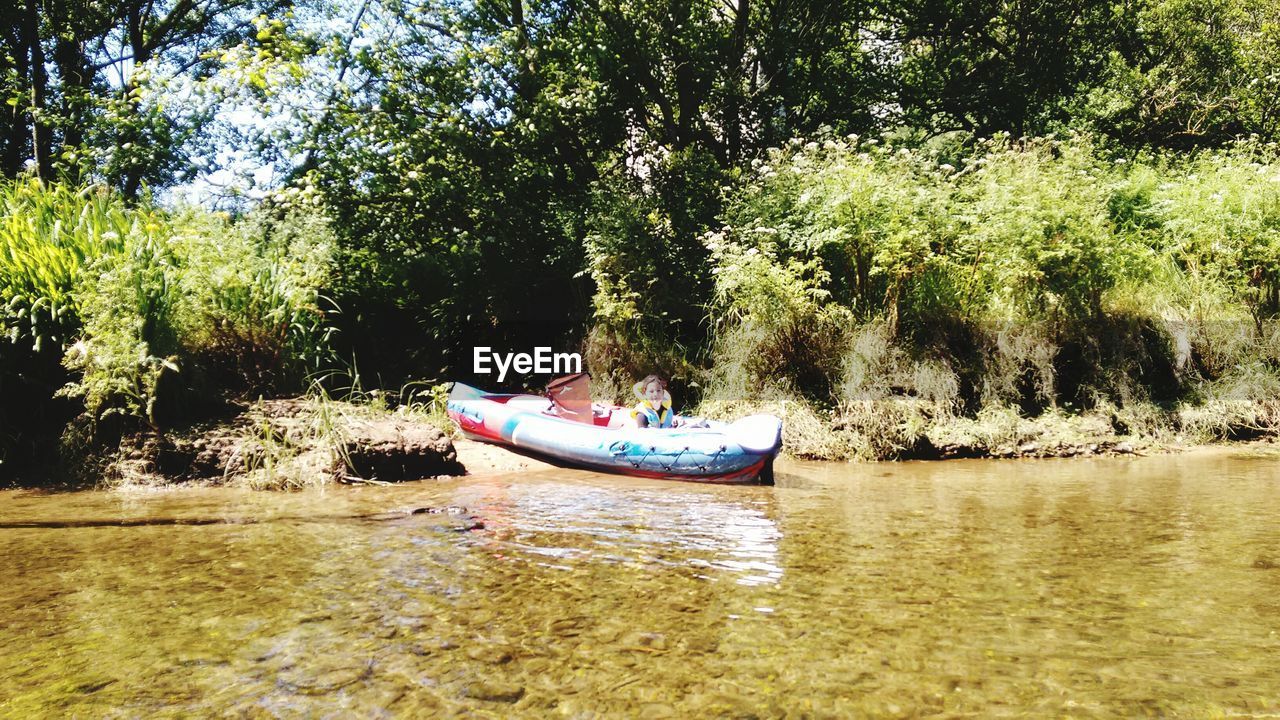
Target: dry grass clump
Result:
[1243, 405]
[1019, 366]
[807, 431]
[1003, 432]
[885, 400]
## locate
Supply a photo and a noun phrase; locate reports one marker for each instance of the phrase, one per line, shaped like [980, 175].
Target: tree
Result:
[1190, 73]
[986, 66]
[75, 78]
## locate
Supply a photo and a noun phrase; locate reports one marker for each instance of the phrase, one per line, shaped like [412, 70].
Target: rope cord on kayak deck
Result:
[703, 467]
[646, 457]
[676, 459]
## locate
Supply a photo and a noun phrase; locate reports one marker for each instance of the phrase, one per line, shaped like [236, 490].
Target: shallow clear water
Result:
[1087, 587]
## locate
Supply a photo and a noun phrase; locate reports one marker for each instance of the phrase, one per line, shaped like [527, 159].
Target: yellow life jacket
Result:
[657, 418]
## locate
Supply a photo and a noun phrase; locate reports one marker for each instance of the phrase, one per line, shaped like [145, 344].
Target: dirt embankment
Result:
[290, 443]
[297, 442]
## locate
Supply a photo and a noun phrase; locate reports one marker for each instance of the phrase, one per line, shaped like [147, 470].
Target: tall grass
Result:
[49, 235]
[140, 315]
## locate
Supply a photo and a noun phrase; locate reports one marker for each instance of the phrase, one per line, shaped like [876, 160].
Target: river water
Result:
[1079, 588]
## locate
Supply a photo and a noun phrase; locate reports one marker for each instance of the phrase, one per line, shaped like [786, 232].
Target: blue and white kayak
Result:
[737, 452]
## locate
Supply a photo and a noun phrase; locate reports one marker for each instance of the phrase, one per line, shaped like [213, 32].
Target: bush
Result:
[645, 257]
[125, 297]
[895, 286]
[127, 338]
[252, 303]
[50, 235]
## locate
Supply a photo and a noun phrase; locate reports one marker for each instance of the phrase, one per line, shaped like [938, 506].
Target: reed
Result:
[49, 235]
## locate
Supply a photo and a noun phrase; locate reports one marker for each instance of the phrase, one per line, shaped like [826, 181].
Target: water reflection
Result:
[621, 522]
[1108, 587]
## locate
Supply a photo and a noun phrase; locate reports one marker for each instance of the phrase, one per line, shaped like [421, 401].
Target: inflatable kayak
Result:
[604, 437]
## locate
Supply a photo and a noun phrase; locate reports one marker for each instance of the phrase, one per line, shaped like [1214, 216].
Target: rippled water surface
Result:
[1142, 586]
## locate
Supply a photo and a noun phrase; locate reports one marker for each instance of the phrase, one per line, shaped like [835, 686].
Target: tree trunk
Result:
[687, 98]
[131, 182]
[735, 79]
[73, 69]
[14, 129]
[41, 133]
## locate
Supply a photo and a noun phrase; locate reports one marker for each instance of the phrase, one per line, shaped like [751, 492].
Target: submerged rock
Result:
[494, 691]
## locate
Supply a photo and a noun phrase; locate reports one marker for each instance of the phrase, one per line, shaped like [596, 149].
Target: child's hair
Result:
[644, 384]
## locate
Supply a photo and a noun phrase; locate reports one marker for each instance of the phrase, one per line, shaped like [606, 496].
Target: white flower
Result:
[77, 352]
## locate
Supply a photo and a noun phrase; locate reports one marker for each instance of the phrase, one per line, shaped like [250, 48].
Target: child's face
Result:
[653, 393]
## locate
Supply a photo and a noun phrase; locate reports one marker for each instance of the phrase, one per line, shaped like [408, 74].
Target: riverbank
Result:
[298, 442]
[291, 443]
[903, 427]
[284, 444]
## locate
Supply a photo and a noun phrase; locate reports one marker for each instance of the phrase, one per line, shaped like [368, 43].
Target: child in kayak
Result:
[654, 408]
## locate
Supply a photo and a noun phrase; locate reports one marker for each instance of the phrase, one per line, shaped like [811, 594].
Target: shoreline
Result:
[298, 442]
[485, 460]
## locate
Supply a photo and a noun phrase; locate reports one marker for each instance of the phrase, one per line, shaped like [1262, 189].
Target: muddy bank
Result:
[286, 443]
[297, 442]
[898, 431]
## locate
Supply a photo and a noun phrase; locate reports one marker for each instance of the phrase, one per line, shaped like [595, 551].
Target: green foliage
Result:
[146, 309]
[643, 248]
[109, 91]
[475, 156]
[1187, 73]
[1039, 231]
[1034, 274]
[252, 306]
[49, 234]
[1221, 216]
[867, 212]
[1021, 232]
[986, 67]
[128, 339]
